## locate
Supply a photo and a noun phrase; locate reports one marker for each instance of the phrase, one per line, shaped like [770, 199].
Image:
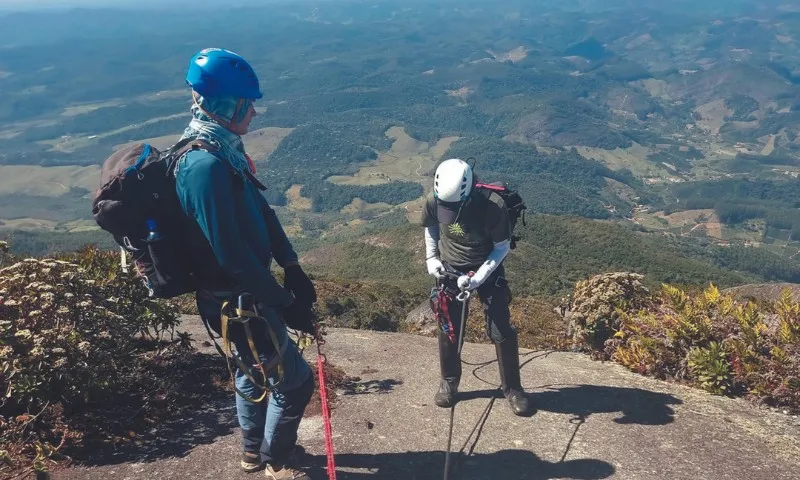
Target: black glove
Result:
[300, 317]
[297, 282]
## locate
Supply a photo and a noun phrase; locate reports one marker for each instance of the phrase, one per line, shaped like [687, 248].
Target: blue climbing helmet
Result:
[215, 72]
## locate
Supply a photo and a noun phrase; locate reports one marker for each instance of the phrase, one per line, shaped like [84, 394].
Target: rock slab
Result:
[593, 421]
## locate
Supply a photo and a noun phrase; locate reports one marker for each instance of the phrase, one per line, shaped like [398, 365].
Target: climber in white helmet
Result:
[467, 238]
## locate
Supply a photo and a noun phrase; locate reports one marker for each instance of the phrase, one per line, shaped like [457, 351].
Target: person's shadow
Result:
[505, 464]
[637, 406]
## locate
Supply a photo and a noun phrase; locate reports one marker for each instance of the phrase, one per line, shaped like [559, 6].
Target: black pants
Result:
[494, 296]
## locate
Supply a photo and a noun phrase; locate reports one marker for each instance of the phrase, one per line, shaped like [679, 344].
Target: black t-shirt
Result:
[467, 243]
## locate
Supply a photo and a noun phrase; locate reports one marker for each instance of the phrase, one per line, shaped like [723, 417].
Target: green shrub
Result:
[597, 306]
[710, 366]
[75, 333]
[706, 339]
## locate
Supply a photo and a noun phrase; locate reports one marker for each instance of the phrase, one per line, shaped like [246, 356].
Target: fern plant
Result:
[710, 340]
[789, 314]
[711, 368]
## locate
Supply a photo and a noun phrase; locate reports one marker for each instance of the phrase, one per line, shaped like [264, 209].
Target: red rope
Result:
[326, 413]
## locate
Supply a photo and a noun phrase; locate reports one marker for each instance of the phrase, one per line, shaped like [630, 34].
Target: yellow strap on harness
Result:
[243, 317]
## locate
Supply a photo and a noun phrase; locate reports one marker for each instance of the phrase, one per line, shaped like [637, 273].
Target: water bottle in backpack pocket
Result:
[156, 262]
[168, 277]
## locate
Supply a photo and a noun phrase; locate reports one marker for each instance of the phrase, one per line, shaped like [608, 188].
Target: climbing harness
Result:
[243, 315]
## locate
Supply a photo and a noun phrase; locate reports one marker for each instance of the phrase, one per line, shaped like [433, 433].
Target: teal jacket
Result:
[241, 228]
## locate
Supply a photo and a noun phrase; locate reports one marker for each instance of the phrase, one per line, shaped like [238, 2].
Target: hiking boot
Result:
[286, 473]
[446, 396]
[508, 362]
[518, 401]
[251, 462]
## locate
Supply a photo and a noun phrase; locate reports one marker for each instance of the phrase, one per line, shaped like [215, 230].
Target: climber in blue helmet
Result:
[237, 237]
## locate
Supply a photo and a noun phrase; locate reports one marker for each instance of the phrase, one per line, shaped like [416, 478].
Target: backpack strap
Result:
[255, 181]
[186, 145]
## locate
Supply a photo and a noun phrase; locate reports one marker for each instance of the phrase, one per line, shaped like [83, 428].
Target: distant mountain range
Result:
[677, 121]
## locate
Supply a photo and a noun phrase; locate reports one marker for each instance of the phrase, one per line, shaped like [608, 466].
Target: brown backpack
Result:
[138, 204]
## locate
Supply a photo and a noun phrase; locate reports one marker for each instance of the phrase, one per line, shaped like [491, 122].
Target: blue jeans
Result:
[270, 426]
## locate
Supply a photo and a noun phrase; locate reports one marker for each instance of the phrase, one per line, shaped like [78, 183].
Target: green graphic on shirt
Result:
[456, 230]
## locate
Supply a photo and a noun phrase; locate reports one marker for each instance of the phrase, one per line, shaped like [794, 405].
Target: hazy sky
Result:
[44, 3]
[38, 4]
[34, 4]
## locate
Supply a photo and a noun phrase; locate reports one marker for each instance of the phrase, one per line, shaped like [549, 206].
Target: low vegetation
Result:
[704, 338]
[89, 364]
[76, 337]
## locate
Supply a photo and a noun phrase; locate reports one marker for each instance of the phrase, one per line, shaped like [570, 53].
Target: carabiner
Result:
[463, 296]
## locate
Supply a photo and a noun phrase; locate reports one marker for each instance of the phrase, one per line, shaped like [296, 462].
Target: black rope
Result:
[449, 444]
[479, 427]
[578, 421]
[484, 364]
[464, 307]
[486, 412]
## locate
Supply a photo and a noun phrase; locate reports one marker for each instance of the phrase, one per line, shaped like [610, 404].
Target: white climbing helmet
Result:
[453, 181]
[452, 185]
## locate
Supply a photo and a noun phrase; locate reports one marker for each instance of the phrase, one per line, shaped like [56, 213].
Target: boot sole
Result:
[252, 467]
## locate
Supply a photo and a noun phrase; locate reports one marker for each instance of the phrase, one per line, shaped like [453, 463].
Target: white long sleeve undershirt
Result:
[431, 242]
[495, 258]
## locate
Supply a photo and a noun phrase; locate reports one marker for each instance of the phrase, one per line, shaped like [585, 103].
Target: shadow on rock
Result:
[467, 395]
[198, 411]
[506, 464]
[370, 386]
[637, 406]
